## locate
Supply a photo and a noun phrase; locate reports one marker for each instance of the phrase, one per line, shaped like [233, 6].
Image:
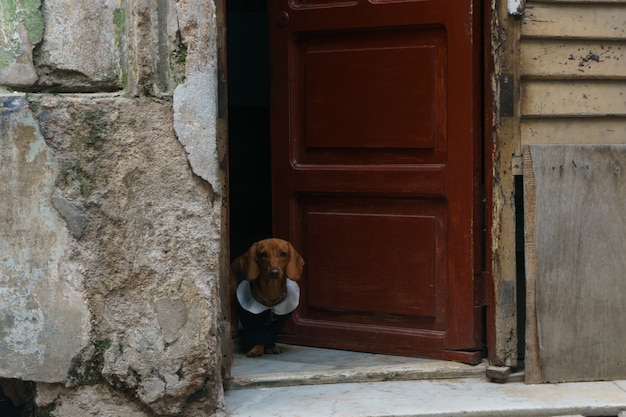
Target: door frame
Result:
[496, 26]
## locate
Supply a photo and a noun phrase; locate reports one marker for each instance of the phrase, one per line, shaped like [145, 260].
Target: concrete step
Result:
[312, 382]
[467, 397]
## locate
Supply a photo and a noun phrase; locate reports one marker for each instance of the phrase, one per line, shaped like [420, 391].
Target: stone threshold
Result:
[358, 375]
[300, 365]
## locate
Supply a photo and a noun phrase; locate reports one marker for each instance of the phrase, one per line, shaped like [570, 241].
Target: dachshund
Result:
[265, 292]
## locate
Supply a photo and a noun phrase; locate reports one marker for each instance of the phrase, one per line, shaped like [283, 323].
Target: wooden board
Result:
[573, 98]
[575, 200]
[583, 130]
[581, 20]
[580, 1]
[572, 59]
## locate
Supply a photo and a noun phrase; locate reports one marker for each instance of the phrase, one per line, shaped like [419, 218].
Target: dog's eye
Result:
[263, 255]
[283, 254]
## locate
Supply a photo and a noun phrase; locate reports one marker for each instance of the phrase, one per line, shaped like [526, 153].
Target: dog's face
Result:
[274, 259]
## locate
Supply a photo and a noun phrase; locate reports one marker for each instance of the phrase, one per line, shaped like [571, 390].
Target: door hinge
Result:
[507, 95]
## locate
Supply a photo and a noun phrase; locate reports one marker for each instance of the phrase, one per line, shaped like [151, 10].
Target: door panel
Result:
[337, 69]
[346, 283]
[375, 165]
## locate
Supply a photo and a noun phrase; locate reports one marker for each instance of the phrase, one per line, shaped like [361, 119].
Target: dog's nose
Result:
[274, 273]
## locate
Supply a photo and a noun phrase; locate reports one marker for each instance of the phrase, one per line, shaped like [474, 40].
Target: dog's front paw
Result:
[256, 351]
[273, 350]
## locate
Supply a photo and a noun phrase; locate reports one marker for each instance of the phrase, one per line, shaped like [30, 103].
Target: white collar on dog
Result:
[250, 304]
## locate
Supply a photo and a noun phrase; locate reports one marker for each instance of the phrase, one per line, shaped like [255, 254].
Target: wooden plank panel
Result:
[573, 131]
[575, 229]
[572, 59]
[532, 365]
[573, 98]
[599, 20]
[578, 1]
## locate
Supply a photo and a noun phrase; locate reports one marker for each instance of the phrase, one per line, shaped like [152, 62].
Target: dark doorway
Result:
[248, 123]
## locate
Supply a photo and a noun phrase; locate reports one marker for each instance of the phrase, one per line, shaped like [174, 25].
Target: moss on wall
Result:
[12, 14]
[89, 129]
[89, 370]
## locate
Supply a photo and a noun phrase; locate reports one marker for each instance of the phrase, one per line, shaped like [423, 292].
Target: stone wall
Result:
[112, 201]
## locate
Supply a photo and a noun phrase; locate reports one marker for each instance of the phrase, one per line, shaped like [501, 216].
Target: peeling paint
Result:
[195, 101]
[516, 7]
[195, 115]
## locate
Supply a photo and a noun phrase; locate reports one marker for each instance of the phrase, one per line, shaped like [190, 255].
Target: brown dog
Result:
[266, 293]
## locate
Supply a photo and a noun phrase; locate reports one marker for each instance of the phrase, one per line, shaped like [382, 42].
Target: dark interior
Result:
[248, 124]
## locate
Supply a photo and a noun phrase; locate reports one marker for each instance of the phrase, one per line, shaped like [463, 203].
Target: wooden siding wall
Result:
[572, 60]
[573, 68]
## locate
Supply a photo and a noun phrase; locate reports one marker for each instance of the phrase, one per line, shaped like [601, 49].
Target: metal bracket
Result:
[507, 95]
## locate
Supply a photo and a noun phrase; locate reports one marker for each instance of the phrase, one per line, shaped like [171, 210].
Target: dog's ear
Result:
[295, 265]
[252, 272]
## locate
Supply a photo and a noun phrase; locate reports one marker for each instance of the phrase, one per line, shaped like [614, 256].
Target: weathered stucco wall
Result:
[112, 207]
[44, 320]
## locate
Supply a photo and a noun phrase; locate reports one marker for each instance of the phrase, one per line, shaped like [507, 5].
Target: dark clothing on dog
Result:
[261, 328]
[262, 323]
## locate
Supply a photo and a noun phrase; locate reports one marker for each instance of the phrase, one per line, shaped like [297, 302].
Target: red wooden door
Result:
[376, 171]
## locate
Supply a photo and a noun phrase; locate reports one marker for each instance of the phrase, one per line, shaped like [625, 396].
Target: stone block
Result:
[85, 401]
[82, 45]
[149, 252]
[44, 320]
